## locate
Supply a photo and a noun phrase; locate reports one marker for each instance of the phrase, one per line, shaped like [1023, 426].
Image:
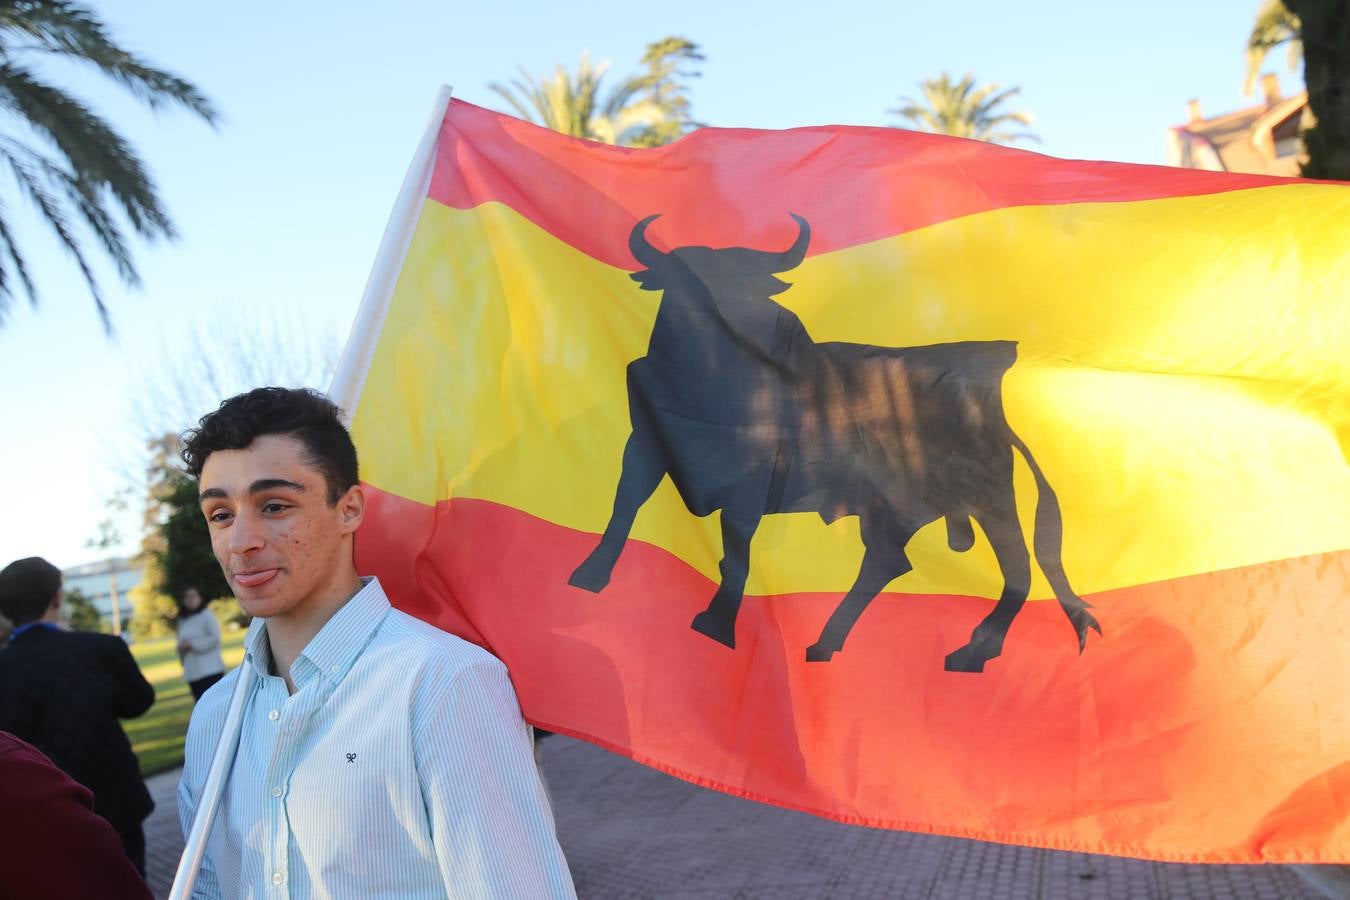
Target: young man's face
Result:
[283, 548]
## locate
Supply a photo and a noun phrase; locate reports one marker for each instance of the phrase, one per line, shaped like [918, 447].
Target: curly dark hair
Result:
[300, 413]
[27, 588]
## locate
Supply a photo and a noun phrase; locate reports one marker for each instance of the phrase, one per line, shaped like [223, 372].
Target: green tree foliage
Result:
[965, 109]
[154, 611]
[183, 552]
[176, 547]
[1274, 25]
[229, 613]
[645, 110]
[1325, 32]
[74, 167]
[80, 612]
[663, 86]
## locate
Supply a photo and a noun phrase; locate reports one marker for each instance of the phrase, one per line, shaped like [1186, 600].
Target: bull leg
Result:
[1014, 561]
[642, 472]
[884, 561]
[718, 621]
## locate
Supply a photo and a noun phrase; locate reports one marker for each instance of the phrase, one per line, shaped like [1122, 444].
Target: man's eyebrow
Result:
[271, 484]
[257, 487]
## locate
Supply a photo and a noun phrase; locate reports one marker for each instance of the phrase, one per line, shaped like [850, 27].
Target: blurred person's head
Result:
[29, 589]
[277, 482]
[190, 601]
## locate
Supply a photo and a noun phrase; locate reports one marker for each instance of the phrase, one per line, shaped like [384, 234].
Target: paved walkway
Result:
[631, 832]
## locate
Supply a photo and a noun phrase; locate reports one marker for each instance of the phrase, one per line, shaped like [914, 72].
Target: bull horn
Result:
[641, 249]
[792, 257]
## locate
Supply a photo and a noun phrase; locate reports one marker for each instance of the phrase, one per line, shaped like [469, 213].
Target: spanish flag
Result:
[905, 480]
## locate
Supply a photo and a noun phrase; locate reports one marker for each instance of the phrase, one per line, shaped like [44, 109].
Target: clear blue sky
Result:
[281, 209]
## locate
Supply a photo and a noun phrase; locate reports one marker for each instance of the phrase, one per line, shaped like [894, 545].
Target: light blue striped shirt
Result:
[399, 768]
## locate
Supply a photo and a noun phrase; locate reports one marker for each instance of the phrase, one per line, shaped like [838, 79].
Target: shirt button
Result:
[273, 715]
[278, 878]
[278, 791]
[333, 670]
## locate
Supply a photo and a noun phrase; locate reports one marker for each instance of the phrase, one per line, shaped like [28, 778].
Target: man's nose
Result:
[246, 534]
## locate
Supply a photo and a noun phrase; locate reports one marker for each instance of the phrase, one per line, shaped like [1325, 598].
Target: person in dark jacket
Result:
[51, 842]
[63, 692]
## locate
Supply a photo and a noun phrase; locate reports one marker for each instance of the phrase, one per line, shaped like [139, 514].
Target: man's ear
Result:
[352, 509]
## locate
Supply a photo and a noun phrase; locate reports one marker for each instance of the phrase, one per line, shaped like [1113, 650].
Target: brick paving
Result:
[631, 833]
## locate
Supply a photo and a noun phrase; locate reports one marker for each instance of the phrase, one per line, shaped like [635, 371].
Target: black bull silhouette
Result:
[749, 415]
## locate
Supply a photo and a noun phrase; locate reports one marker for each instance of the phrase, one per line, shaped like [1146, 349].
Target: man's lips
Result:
[255, 577]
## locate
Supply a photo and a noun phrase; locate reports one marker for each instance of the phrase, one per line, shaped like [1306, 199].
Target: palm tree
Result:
[661, 85]
[69, 161]
[964, 110]
[572, 104]
[646, 109]
[1326, 72]
[1274, 25]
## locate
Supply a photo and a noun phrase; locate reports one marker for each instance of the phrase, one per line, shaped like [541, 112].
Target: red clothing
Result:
[52, 844]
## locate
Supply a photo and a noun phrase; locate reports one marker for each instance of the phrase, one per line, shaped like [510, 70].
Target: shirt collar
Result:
[30, 626]
[331, 652]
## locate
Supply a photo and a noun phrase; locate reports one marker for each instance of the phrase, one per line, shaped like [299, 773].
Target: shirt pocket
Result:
[355, 789]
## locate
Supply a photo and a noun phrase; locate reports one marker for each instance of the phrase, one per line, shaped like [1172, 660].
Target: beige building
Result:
[1262, 139]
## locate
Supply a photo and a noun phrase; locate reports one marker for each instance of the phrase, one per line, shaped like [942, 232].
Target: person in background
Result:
[64, 691]
[52, 843]
[198, 643]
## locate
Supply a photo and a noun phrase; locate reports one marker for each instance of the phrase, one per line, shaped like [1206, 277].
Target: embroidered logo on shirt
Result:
[351, 757]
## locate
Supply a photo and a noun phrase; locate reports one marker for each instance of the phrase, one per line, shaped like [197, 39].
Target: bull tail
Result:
[1048, 543]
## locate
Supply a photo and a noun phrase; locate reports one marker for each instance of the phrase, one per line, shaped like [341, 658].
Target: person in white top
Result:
[198, 643]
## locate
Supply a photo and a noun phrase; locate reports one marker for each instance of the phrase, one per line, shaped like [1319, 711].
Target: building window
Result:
[1289, 146]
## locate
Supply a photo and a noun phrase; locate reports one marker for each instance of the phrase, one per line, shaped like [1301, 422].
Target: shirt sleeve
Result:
[490, 821]
[134, 695]
[54, 843]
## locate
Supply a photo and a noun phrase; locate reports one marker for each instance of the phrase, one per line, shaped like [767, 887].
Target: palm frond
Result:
[89, 144]
[51, 211]
[74, 32]
[84, 196]
[1274, 25]
[645, 109]
[93, 172]
[964, 108]
[11, 250]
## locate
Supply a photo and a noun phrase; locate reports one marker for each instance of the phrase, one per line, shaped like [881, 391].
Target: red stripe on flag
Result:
[724, 187]
[1112, 751]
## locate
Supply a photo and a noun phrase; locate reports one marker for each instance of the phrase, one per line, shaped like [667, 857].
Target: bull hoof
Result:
[965, 660]
[819, 652]
[715, 627]
[1082, 622]
[591, 576]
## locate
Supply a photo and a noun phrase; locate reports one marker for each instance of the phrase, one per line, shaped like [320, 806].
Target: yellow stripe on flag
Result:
[1177, 385]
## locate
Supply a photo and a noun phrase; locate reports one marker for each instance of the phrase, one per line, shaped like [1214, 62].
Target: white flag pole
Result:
[346, 388]
[365, 334]
[195, 848]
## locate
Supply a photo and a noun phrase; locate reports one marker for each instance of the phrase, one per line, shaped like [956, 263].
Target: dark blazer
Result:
[63, 692]
[51, 843]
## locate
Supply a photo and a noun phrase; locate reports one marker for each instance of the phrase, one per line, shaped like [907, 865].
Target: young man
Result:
[64, 691]
[379, 756]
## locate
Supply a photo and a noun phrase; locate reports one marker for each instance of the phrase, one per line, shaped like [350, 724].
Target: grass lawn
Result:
[157, 736]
